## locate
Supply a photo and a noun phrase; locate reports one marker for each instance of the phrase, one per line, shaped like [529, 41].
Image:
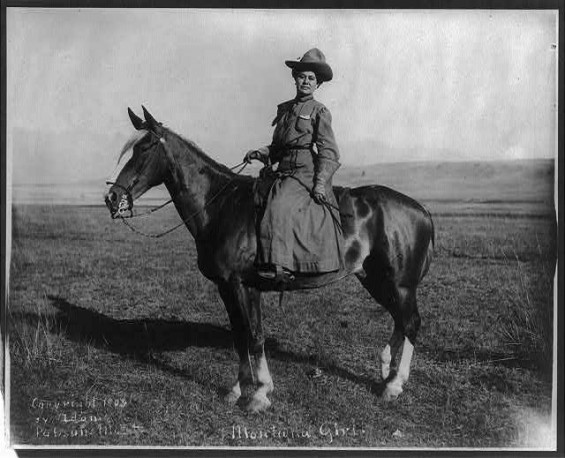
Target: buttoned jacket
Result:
[303, 123]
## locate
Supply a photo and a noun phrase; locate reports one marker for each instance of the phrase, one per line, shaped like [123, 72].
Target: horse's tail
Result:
[431, 245]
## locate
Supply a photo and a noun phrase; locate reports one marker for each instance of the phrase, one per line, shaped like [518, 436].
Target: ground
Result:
[118, 339]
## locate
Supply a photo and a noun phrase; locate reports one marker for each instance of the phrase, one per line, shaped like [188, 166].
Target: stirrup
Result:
[278, 274]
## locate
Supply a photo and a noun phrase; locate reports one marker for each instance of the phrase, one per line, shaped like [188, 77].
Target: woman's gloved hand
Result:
[255, 155]
[319, 193]
[324, 170]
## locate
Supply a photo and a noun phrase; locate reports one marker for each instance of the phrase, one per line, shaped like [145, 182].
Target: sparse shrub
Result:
[33, 340]
[529, 334]
[526, 327]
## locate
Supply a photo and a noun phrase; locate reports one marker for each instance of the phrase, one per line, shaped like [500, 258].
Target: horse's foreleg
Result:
[240, 331]
[259, 402]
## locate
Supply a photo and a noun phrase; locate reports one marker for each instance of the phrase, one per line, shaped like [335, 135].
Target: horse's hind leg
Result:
[388, 354]
[407, 324]
[401, 304]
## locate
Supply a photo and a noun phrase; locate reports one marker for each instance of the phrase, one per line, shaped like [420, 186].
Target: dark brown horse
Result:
[388, 241]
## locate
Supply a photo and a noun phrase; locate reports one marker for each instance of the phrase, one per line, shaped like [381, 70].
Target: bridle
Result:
[126, 201]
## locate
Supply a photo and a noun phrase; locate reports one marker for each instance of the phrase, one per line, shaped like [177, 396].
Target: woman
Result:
[300, 230]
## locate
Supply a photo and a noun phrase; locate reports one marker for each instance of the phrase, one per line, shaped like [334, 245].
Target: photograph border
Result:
[291, 451]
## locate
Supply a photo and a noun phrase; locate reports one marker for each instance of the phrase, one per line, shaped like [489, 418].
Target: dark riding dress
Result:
[295, 232]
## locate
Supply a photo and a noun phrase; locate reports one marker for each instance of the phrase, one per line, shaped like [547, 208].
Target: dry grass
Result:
[527, 326]
[130, 331]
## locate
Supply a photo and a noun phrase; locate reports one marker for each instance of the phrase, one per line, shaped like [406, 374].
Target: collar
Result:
[303, 98]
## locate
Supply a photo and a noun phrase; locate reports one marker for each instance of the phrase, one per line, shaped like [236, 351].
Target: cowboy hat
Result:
[315, 61]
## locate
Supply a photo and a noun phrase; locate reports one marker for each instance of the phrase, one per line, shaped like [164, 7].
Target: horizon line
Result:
[344, 164]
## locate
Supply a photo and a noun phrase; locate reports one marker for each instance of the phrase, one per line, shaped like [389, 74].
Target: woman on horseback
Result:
[300, 230]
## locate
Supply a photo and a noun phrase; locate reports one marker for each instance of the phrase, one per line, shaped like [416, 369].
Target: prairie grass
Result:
[526, 328]
[97, 313]
[37, 340]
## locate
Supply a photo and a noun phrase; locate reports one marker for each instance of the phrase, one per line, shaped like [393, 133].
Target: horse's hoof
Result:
[392, 392]
[232, 397]
[258, 404]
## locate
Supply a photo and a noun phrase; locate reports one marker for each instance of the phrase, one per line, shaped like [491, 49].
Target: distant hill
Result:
[504, 181]
[520, 180]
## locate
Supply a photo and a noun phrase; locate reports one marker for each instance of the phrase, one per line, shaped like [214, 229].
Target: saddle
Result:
[297, 280]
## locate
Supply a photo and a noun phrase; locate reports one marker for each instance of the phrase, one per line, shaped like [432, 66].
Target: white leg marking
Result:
[234, 394]
[260, 401]
[263, 375]
[386, 358]
[244, 379]
[394, 387]
[395, 343]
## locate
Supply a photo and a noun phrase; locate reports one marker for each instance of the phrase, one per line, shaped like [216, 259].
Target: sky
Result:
[408, 85]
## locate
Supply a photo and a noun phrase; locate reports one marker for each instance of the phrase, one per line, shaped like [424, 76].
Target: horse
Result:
[389, 242]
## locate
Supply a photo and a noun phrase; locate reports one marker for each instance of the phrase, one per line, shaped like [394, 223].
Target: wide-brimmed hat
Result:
[314, 61]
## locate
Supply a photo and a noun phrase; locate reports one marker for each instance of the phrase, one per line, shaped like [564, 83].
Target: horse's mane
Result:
[195, 149]
[190, 145]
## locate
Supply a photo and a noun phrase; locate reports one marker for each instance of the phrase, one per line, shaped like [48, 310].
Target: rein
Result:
[124, 203]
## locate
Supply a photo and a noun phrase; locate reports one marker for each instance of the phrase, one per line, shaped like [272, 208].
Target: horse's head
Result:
[146, 167]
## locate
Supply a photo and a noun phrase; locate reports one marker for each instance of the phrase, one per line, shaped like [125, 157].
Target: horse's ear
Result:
[135, 120]
[150, 119]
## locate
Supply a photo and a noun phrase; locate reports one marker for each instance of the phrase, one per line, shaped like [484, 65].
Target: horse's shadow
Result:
[135, 337]
[144, 339]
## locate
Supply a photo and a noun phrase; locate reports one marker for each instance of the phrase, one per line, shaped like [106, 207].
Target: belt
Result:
[280, 152]
[298, 147]
[290, 155]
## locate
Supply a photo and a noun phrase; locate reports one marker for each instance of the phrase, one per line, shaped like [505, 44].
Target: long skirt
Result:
[296, 232]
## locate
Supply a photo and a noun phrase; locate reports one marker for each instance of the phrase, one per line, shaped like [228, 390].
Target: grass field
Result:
[117, 339]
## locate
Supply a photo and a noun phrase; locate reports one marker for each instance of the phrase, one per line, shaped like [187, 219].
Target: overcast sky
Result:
[408, 85]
